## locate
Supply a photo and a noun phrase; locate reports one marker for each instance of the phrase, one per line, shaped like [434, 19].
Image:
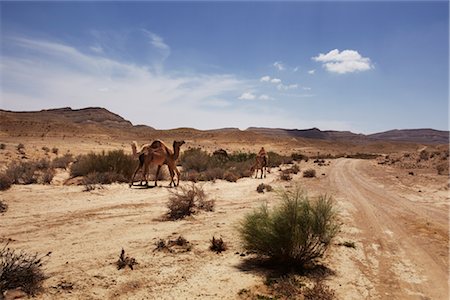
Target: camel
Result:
[261, 163]
[157, 154]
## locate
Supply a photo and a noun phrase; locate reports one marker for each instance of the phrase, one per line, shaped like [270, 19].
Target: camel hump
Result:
[157, 144]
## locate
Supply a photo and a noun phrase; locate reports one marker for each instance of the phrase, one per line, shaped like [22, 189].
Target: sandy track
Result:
[404, 242]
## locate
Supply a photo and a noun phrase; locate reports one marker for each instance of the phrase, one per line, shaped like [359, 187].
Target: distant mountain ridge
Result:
[97, 120]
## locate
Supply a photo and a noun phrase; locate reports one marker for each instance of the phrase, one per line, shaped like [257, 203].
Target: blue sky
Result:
[360, 66]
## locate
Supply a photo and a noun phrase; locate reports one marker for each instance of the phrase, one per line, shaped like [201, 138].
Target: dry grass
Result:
[310, 173]
[217, 245]
[188, 200]
[125, 261]
[19, 269]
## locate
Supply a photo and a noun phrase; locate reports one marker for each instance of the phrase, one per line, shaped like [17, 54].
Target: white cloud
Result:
[279, 66]
[97, 49]
[275, 80]
[287, 87]
[306, 88]
[264, 97]
[265, 79]
[296, 69]
[311, 72]
[347, 61]
[247, 96]
[158, 42]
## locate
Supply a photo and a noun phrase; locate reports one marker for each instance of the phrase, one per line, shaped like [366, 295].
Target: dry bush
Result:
[320, 291]
[261, 187]
[5, 182]
[347, 244]
[19, 269]
[424, 155]
[3, 207]
[27, 173]
[310, 173]
[46, 149]
[55, 150]
[21, 148]
[286, 176]
[178, 245]
[297, 232]
[188, 200]
[62, 162]
[442, 169]
[114, 166]
[125, 261]
[299, 157]
[275, 159]
[217, 245]
[2, 146]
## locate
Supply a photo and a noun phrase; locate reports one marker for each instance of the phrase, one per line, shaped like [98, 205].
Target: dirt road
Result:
[401, 237]
[404, 242]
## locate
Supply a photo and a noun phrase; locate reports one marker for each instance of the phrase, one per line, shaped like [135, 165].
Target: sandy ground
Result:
[398, 223]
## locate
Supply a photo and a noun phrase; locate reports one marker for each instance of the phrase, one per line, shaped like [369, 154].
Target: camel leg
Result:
[172, 174]
[157, 174]
[178, 176]
[135, 172]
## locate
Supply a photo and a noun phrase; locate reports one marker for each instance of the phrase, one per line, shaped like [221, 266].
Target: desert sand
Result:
[397, 222]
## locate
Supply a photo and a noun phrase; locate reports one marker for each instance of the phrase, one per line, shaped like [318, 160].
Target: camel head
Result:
[177, 144]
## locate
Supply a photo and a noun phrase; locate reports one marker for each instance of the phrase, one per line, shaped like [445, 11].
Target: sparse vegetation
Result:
[261, 187]
[62, 162]
[19, 269]
[46, 149]
[217, 245]
[55, 150]
[188, 200]
[178, 245]
[2, 146]
[105, 168]
[27, 173]
[125, 261]
[21, 148]
[319, 291]
[310, 173]
[285, 175]
[3, 207]
[347, 244]
[295, 233]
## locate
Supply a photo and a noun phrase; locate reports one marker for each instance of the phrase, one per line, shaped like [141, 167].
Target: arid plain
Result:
[393, 210]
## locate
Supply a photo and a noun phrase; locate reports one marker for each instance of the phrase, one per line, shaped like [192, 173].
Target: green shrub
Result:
[275, 159]
[114, 166]
[295, 233]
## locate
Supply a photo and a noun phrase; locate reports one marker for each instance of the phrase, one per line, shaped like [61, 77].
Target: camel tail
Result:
[134, 148]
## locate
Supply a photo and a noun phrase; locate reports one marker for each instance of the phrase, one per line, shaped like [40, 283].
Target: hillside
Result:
[96, 121]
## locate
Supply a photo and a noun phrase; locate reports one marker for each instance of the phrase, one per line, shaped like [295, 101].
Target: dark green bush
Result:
[113, 166]
[295, 233]
[276, 159]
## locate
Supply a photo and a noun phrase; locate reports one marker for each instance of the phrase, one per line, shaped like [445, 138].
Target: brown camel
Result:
[157, 154]
[261, 163]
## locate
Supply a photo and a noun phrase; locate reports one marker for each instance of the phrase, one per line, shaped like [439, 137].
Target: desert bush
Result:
[295, 233]
[217, 245]
[27, 173]
[3, 207]
[188, 200]
[2, 146]
[62, 162]
[319, 291]
[20, 147]
[293, 170]
[19, 269]
[261, 187]
[285, 175]
[46, 149]
[125, 261]
[299, 157]
[442, 169]
[55, 150]
[310, 173]
[424, 155]
[114, 166]
[347, 244]
[5, 182]
[178, 245]
[363, 156]
[195, 159]
[276, 159]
